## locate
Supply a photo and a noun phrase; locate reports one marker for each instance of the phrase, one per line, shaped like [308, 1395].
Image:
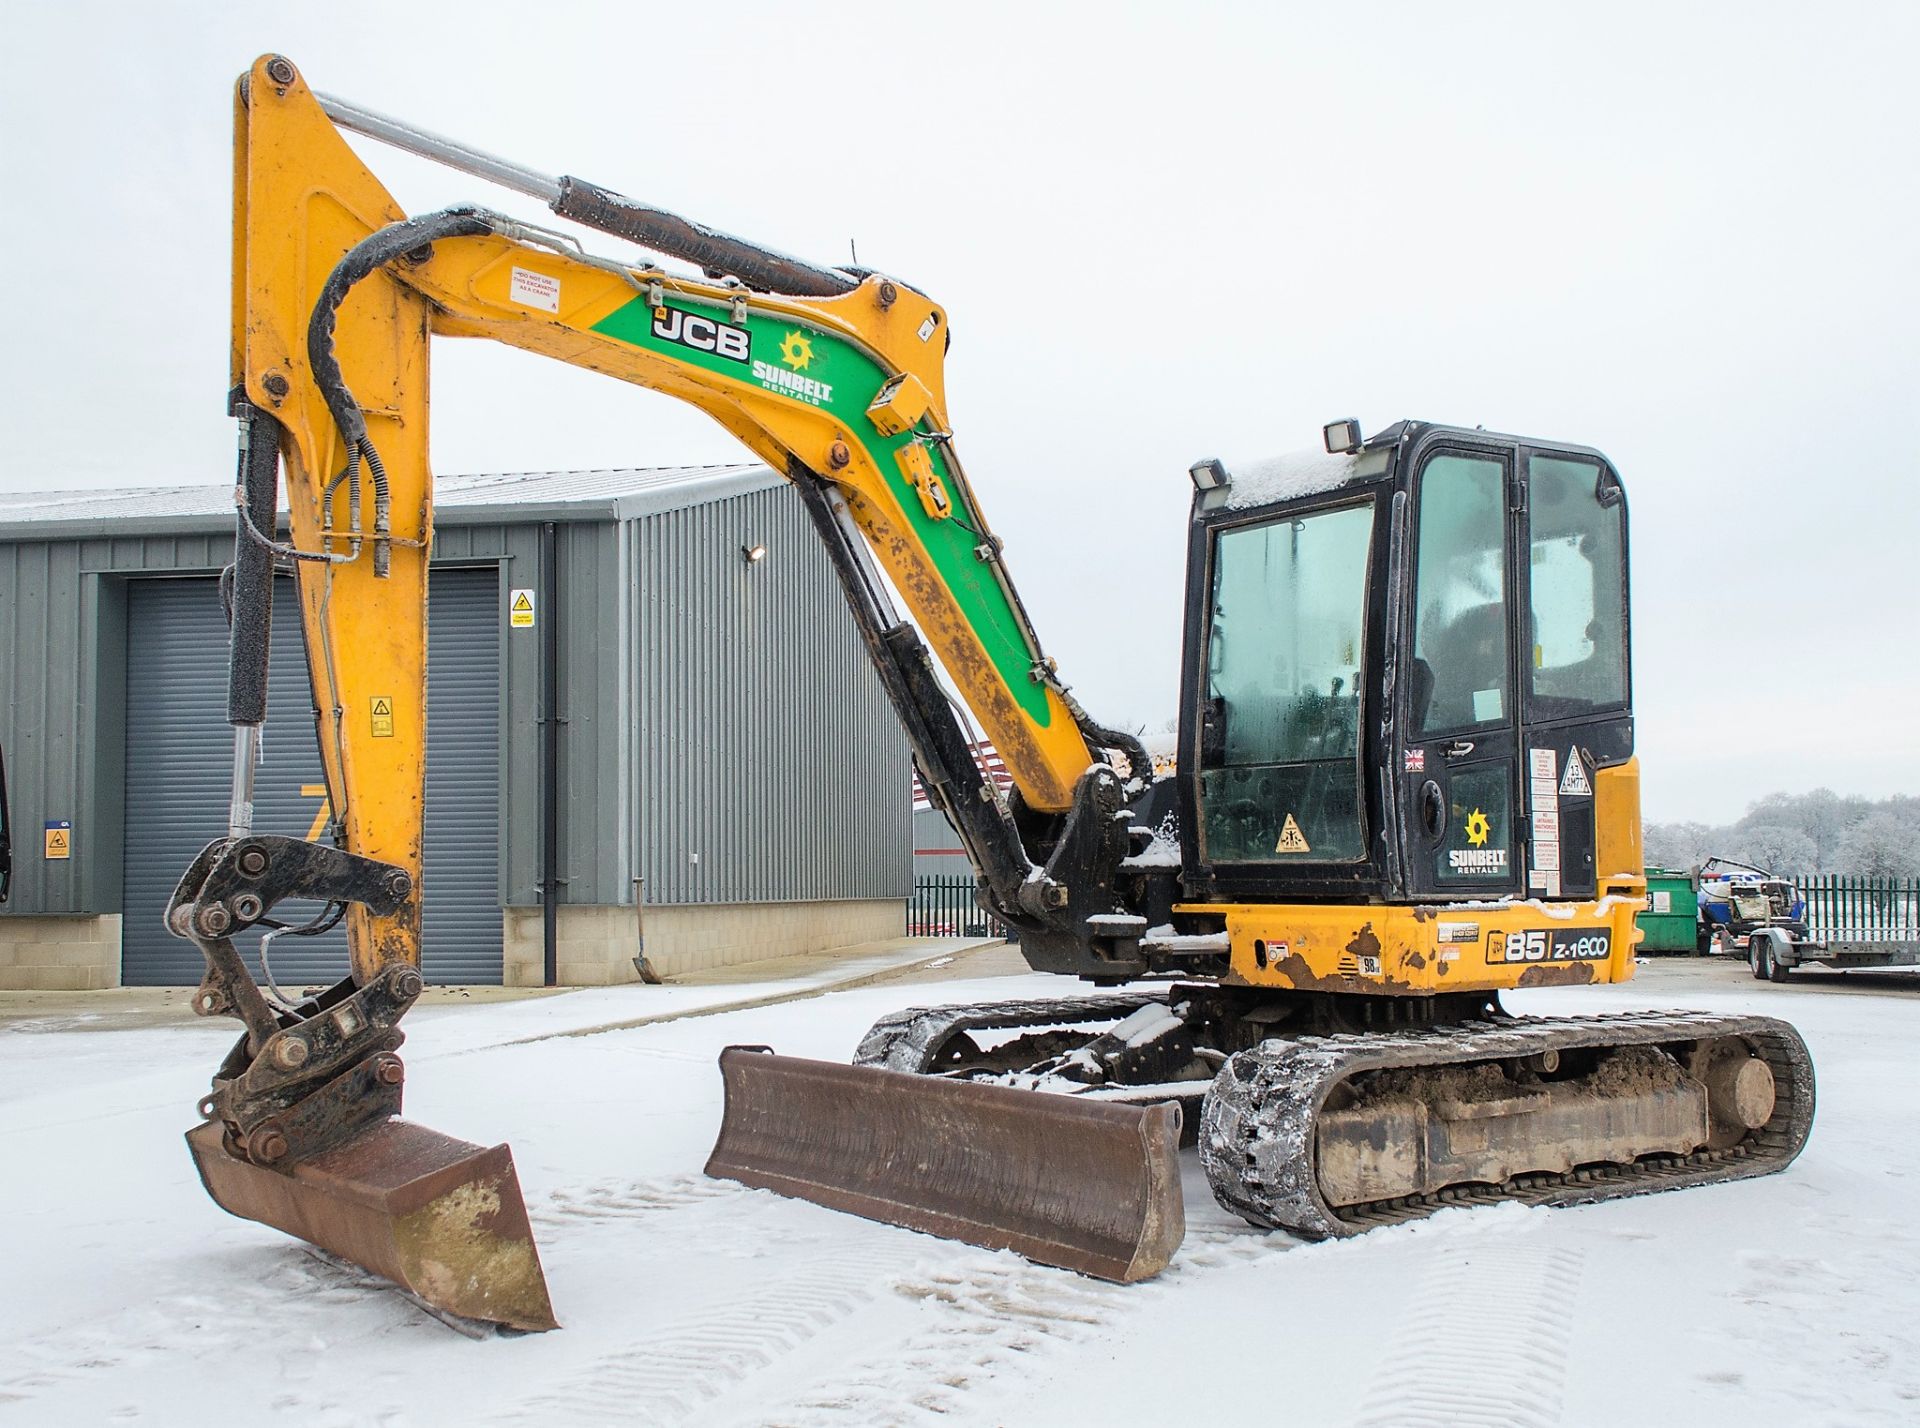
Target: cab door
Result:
[1575, 694]
[1518, 692]
[1459, 754]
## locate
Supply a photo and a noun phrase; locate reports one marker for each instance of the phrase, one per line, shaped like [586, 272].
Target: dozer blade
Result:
[1092, 1187]
[440, 1217]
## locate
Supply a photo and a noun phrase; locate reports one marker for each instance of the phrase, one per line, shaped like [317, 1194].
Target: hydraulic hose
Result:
[374, 251]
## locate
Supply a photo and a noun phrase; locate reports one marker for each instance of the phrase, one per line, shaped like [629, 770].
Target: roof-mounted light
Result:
[1209, 475]
[1343, 437]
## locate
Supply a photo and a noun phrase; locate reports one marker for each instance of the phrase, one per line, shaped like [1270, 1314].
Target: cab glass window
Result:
[1577, 576]
[1280, 731]
[1460, 593]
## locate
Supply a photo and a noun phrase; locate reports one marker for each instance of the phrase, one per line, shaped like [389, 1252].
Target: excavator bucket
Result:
[1088, 1186]
[440, 1217]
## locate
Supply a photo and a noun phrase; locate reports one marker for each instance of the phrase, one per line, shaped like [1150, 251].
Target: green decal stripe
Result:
[820, 369]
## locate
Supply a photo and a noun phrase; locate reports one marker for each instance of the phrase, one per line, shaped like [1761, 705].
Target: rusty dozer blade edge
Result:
[440, 1217]
[1091, 1187]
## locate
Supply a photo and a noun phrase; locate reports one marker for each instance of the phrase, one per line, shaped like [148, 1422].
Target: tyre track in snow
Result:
[981, 1316]
[611, 1200]
[675, 1378]
[975, 1314]
[1514, 1300]
[294, 1302]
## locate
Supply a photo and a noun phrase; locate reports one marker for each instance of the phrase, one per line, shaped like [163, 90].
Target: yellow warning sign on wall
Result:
[59, 840]
[520, 609]
[383, 716]
[1291, 838]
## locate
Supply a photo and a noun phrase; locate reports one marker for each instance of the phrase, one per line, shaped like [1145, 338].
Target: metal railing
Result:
[1857, 909]
[946, 907]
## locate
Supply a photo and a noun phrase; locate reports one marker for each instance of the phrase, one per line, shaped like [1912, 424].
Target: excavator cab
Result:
[1407, 668]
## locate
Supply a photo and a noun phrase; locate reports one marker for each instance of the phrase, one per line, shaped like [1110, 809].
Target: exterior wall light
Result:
[753, 554]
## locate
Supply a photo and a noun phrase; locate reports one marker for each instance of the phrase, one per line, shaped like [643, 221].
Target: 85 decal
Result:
[1543, 944]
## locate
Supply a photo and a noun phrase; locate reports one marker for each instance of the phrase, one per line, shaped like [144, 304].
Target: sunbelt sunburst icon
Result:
[797, 351]
[1478, 828]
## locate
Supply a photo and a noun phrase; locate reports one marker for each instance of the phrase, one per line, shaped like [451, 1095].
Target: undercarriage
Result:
[1317, 1116]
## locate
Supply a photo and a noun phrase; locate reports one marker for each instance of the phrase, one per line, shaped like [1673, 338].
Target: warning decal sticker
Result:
[1291, 839]
[59, 840]
[1574, 784]
[383, 716]
[532, 289]
[520, 609]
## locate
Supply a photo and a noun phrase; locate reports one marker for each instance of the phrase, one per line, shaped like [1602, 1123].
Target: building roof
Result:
[485, 498]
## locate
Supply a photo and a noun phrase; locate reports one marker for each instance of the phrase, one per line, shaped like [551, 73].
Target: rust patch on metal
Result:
[1301, 976]
[1085, 1185]
[437, 1216]
[1564, 974]
[959, 647]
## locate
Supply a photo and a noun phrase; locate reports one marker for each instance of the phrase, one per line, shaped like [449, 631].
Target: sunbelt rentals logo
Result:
[1477, 857]
[789, 379]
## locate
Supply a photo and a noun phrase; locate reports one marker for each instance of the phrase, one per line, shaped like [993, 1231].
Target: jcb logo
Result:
[702, 334]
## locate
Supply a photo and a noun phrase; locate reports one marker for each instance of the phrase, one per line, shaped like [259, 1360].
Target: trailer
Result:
[1847, 924]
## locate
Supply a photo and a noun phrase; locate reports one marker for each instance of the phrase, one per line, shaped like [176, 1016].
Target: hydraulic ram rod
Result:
[596, 207]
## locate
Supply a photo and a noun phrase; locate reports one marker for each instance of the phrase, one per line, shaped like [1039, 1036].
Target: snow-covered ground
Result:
[127, 1297]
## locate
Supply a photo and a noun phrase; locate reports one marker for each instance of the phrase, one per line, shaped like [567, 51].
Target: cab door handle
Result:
[1458, 749]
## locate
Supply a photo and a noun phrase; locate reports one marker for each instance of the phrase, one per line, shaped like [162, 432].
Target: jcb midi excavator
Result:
[1406, 780]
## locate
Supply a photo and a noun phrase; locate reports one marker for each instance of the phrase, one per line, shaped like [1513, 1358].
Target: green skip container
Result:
[1670, 923]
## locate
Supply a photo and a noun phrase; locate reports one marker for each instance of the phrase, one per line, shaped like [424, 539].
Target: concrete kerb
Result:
[907, 960]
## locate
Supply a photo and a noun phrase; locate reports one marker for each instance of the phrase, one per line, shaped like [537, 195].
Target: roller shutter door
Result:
[179, 758]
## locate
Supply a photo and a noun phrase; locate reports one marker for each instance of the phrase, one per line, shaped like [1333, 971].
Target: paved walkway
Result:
[579, 1011]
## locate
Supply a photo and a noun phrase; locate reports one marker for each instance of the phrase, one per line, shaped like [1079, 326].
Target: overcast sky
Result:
[1684, 234]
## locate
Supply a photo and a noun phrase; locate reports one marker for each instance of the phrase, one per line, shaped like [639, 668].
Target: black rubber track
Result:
[1256, 1132]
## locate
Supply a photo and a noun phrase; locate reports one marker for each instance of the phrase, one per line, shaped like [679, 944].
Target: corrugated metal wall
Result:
[62, 692]
[772, 767]
[708, 708]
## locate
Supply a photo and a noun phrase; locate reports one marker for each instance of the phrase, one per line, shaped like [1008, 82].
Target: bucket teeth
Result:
[442, 1218]
[1088, 1186]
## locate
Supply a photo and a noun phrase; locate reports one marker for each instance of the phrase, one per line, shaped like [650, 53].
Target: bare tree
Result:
[1881, 845]
[1679, 846]
[1822, 815]
[1787, 852]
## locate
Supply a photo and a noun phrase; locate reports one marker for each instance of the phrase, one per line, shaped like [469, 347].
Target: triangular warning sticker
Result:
[522, 601]
[1573, 784]
[1291, 840]
[382, 706]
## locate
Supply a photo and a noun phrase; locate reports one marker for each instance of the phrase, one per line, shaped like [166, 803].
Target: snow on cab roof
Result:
[1287, 477]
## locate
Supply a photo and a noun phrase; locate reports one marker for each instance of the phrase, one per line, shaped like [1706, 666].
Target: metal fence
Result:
[1857, 909]
[946, 907]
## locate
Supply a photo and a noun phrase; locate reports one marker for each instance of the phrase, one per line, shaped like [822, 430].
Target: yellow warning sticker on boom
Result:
[383, 716]
[1291, 839]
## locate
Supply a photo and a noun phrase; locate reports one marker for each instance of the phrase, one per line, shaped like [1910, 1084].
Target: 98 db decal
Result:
[1558, 944]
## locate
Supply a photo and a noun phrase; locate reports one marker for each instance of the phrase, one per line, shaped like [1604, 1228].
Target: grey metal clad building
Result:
[732, 781]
